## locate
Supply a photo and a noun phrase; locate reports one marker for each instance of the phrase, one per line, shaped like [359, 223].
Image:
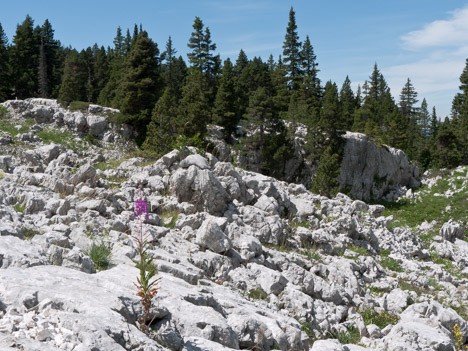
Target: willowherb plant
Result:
[147, 284]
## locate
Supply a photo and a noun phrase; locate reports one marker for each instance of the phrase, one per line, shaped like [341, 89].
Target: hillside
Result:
[245, 261]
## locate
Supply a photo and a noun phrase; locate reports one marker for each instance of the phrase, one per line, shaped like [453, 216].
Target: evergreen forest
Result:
[171, 101]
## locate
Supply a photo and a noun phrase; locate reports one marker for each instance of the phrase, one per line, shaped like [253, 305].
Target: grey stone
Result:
[210, 236]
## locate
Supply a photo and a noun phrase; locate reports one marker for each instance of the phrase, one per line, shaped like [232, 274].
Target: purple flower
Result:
[141, 208]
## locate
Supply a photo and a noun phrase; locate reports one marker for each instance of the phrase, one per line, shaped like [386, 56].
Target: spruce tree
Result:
[348, 103]
[101, 70]
[75, 76]
[194, 110]
[268, 137]
[408, 99]
[201, 56]
[164, 126]
[5, 91]
[224, 111]
[325, 181]
[311, 83]
[174, 69]
[460, 114]
[292, 52]
[24, 60]
[140, 84]
[116, 61]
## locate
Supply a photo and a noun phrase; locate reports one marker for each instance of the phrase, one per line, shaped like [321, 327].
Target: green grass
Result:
[258, 294]
[380, 319]
[108, 164]
[9, 126]
[362, 251]
[78, 106]
[28, 233]
[169, 218]
[351, 336]
[390, 263]
[101, 254]
[19, 207]
[311, 253]
[65, 138]
[431, 207]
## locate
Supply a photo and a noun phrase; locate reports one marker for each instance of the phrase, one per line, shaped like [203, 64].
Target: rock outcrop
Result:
[246, 262]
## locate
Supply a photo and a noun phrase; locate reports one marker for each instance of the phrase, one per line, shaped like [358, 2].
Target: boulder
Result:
[451, 231]
[210, 236]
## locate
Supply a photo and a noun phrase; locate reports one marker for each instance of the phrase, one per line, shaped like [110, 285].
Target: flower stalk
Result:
[146, 284]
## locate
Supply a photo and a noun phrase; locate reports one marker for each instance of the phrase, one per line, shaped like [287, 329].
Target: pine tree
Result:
[282, 97]
[292, 52]
[164, 126]
[42, 76]
[75, 76]
[202, 48]
[5, 91]
[311, 82]
[325, 181]
[116, 60]
[140, 84]
[408, 99]
[194, 110]
[24, 60]
[269, 136]
[225, 112]
[101, 70]
[460, 114]
[174, 69]
[348, 103]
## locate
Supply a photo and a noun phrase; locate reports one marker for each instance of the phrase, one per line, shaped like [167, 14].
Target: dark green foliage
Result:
[325, 181]
[258, 294]
[174, 69]
[194, 111]
[75, 76]
[5, 82]
[268, 137]
[348, 104]
[225, 111]
[101, 254]
[140, 84]
[292, 52]
[24, 60]
[164, 126]
[460, 115]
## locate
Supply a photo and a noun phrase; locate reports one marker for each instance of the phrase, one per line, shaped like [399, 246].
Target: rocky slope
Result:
[245, 261]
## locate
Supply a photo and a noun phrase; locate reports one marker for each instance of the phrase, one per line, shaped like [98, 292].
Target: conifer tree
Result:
[174, 69]
[292, 52]
[101, 70]
[408, 99]
[348, 103]
[311, 83]
[140, 84]
[24, 60]
[325, 181]
[75, 76]
[460, 114]
[164, 125]
[202, 48]
[42, 76]
[194, 110]
[240, 83]
[268, 138]
[4, 67]
[282, 97]
[224, 111]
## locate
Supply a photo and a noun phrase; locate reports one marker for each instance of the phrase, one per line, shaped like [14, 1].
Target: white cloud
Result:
[440, 33]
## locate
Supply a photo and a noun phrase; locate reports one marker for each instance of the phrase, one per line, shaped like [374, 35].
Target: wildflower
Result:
[147, 284]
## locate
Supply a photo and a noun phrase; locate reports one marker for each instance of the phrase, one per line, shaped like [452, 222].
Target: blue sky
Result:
[424, 40]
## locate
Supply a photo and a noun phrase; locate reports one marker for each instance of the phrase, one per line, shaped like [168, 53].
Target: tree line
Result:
[171, 101]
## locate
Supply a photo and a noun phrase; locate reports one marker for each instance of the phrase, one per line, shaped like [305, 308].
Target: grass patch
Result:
[79, 106]
[380, 319]
[28, 233]
[65, 138]
[10, 127]
[101, 254]
[108, 164]
[431, 207]
[390, 263]
[19, 207]
[258, 294]
[311, 253]
[362, 251]
[351, 336]
[169, 218]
